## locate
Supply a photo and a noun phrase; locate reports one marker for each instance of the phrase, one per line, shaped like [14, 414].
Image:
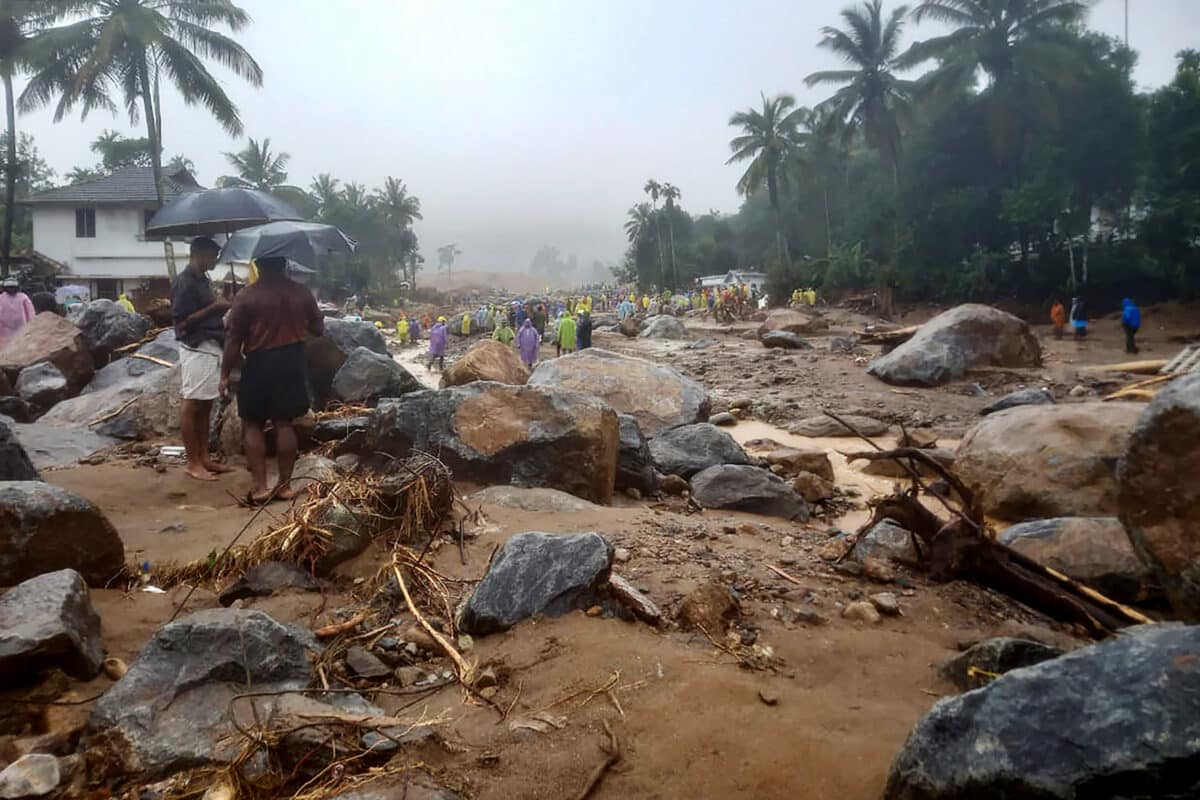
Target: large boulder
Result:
[1034, 462]
[44, 528]
[744, 488]
[48, 621]
[538, 573]
[349, 336]
[982, 661]
[635, 464]
[50, 446]
[686, 450]
[366, 376]
[324, 355]
[171, 709]
[107, 326]
[955, 341]
[495, 433]
[1159, 492]
[1118, 719]
[49, 337]
[487, 360]
[14, 461]
[1092, 550]
[663, 326]
[139, 366]
[142, 408]
[785, 340]
[535, 500]
[1021, 397]
[792, 321]
[656, 395]
[41, 385]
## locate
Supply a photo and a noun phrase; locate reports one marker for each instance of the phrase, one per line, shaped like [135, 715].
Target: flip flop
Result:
[250, 501]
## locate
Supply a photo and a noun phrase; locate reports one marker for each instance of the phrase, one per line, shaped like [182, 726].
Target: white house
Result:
[736, 277]
[96, 231]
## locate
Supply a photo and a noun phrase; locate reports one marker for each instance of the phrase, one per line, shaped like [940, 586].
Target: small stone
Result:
[1081, 391]
[722, 419]
[809, 616]
[812, 488]
[595, 611]
[465, 643]
[633, 493]
[411, 648]
[788, 541]
[768, 697]
[408, 676]
[30, 776]
[673, 485]
[114, 668]
[861, 611]
[415, 634]
[486, 678]
[621, 555]
[488, 692]
[365, 664]
[878, 570]
[886, 603]
[634, 599]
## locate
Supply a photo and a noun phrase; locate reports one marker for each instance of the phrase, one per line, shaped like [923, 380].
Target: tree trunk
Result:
[674, 264]
[155, 152]
[1071, 262]
[828, 221]
[10, 169]
[1085, 260]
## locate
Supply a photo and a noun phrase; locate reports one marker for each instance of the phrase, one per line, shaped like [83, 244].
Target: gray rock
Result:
[170, 710]
[351, 532]
[795, 461]
[14, 461]
[994, 657]
[365, 664]
[629, 596]
[822, 426]
[138, 366]
[785, 340]
[887, 541]
[145, 407]
[267, 578]
[723, 419]
[367, 376]
[1092, 550]
[686, 450]
[538, 573]
[44, 528]
[1118, 719]
[663, 326]
[335, 430]
[745, 488]
[31, 775]
[702, 343]
[1159, 492]
[107, 326]
[14, 409]
[313, 469]
[842, 344]
[49, 445]
[41, 385]
[531, 499]
[1023, 397]
[48, 621]
[635, 465]
[349, 336]
[965, 337]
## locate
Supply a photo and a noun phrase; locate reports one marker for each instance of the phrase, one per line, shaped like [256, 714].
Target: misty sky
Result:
[530, 122]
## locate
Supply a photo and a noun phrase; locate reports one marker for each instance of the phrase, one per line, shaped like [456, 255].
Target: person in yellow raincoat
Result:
[402, 330]
[504, 333]
[566, 334]
[645, 302]
[810, 297]
[466, 325]
[124, 302]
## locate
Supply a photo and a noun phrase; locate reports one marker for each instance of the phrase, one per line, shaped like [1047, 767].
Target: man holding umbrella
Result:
[268, 325]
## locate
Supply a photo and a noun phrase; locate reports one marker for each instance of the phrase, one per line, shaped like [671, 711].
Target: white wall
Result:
[117, 251]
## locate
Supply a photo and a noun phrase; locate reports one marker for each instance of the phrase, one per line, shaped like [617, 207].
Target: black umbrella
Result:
[301, 242]
[215, 211]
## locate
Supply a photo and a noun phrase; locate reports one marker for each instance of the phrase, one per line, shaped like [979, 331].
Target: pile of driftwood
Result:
[963, 547]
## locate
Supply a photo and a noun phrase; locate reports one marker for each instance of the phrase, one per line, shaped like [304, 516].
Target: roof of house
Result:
[125, 185]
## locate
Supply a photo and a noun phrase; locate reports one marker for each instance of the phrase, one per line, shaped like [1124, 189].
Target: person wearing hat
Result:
[200, 330]
[16, 310]
[438, 336]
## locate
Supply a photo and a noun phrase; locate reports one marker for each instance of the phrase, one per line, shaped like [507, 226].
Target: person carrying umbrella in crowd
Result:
[200, 330]
[583, 331]
[528, 342]
[1131, 321]
[504, 334]
[268, 324]
[438, 336]
[16, 310]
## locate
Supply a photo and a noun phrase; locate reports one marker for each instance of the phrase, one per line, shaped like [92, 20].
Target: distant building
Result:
[735, 277]
[97, 231]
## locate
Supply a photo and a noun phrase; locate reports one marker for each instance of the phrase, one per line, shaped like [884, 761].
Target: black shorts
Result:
[274, 385]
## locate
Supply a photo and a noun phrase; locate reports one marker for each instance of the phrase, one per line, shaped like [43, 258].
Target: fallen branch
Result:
[341, 627]
[612, 756]
[465, 670]
[783, 574]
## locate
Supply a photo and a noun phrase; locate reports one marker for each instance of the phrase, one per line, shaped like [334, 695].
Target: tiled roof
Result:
[126, 185]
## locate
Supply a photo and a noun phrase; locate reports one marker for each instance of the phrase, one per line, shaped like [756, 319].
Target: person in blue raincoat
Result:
[1131, 321]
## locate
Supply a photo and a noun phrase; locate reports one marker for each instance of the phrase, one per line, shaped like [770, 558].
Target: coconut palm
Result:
[446, 255]
[871, 98]
[641, 220]
[259, 168]
[653, 190]
[398, 206]
[671, 193]
[325, 191]
[768, 136]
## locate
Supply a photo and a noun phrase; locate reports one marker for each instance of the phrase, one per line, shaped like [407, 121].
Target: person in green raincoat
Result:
[566, 334]
[503, 333]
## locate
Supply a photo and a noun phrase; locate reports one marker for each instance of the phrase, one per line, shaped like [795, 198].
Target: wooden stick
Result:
[153, 359]
[341, 627]
[613, 755]
[465, 673]
[110, 415]
[783, 574]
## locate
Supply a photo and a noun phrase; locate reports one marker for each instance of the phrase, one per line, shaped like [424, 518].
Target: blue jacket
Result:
[1131, 317]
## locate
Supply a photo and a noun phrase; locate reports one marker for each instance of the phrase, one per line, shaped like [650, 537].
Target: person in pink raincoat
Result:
[16, 310]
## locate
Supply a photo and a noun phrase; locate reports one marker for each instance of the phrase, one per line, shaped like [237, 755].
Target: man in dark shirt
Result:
[268, 324]
[200, 331]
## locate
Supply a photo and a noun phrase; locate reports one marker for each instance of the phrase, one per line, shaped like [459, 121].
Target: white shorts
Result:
[200, 371]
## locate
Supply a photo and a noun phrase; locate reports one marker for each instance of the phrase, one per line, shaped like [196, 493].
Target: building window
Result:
[85, 223]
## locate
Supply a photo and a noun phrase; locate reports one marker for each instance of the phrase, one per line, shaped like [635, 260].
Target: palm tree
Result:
[399, 207]
[324, 189]
[654, 189]
[128, 45]
[671, 193]
[23, 28]
[257, 167]
[871, 97]
[81, 174]
[446, 255]
[768, 136]
[641, 220]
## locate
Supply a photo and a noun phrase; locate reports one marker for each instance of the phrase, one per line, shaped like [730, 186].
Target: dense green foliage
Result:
[33, 175]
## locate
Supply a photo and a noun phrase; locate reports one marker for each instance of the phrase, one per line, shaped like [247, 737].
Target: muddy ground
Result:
[691, 722]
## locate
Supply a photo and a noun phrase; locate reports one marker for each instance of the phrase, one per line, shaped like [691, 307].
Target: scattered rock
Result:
[658, 396]
[14, 408]
[127, 371]
[14, 462]
[627, 595]
[1120, 718]
[861, 611]
[822, 426]
[49, 446]
[887, 541]
[1033, 462]
[48, 621]
[809, 616]
[686, 450]
[145, 408]
[363, 663]
[745, 488]
[107, 326]
[494, 433]
[49, 337]
[887, 468]
[674, 485]
[955, 341]
[348, 336]
[663, 326]
[629, 327]
[325, 355]
[487, 360]
[537, 573]
[792, 321]
[813, 488]
[1160, 493]
[1023, 397]
[41, 385]
[621, 555]
[366, 376]
[1092, 550]
[44, 528]
[635, 465]
[535, 500]
[351, 532]
[842, 344]
[980, 663]
[795, 461]
[886, 603]
[1079, 391]
[32, 775]
[313, 469]
[768, 697]
[267, 578]
[723, 419]
[785, 340]
[710, 606]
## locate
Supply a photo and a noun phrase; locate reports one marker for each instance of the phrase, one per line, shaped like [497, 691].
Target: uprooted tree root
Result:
[965, 547]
